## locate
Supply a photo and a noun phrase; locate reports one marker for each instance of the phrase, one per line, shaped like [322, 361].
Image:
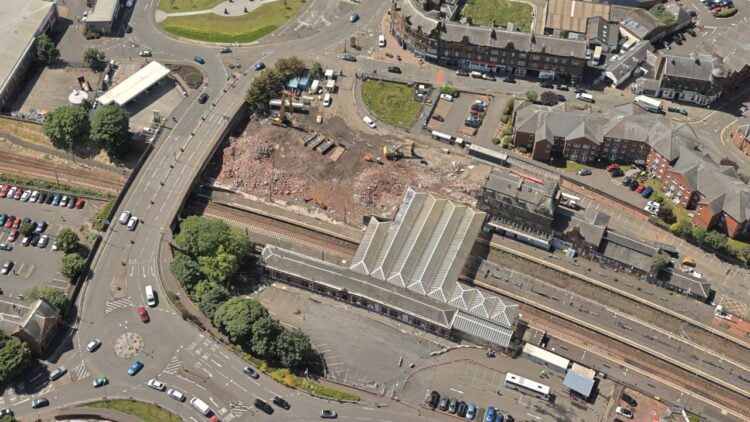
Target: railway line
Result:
[33, 167]
[275, 228]
[636, 360]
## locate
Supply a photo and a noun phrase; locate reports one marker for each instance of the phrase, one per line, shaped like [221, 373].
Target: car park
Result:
[278, 401]
[40, 402]
[624, 412]
[252, 373]
[100, 382]
[199, 60]
[156, 384]
[93, 345]
[144, 315]
[265, 407]
[328, 414]
[135, 368]
[176, 394]
[57, 373]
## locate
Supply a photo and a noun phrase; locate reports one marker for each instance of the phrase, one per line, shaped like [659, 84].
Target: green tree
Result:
[45, 50]
[53, 296]
[699, 234]
[67, 240]
[26, 229]
[94, 59]
[201, 288]
[236, 316]
[239, 245]
[289, 67]
[265, 333]
[657, 263]
[664, 15]
[682, 228]
[548, 98]
[8, 418]
[186, 270]
[110, 129]
[715, 240]
[219, 269]
[316, 70]
[200, 236]
[666, 215]
[532, 96]
[15, 358]
[212, 299]
[264, 87]
[67, 126]
[72, 265]
[293, 349]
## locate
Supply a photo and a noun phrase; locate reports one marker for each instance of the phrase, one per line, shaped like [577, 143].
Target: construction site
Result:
[334, 172]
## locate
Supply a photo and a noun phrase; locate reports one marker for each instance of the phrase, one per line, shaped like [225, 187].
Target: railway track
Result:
[635, 359]
[23, 165]
[274, 228]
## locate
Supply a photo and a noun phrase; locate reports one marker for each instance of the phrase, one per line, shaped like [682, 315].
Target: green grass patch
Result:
[391, 102]
[570, 165]
[501, 12]
[660, 12]
[171, 6]
[228, 29]
[679, 212]
[27, 131]
[98, 220]
[146, 412]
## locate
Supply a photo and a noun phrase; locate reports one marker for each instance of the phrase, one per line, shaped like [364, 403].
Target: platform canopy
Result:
[133, 86]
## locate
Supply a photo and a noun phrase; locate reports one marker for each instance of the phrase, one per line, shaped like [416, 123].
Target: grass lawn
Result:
[484, 12]
[144, 411]
[679, 212]
[570, 165]
[247, 28]
[29, 132]
[390, 102]
[171, 6]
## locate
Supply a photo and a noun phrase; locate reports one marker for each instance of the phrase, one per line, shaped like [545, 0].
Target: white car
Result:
[55, 246]
[124, 217]
[25, 196]
[93, 345]
[43, 241]
[34, 196]
[446, 97]
[176, 394]
[624, 412]
[132, 223]
[369, 122]
[156, 384]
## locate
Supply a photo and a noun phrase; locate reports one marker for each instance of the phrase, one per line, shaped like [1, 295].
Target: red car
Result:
[18, 194]
[612, 167]
[714, 10]
[144, 314]
[640, 188]
[4, 190]
[13, 236]
[10, 220]
[80, 202]
[17, 223]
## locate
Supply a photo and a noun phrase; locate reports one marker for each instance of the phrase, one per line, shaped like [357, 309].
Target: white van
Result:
[327, 100]
[200, 406]
[368, 121]
[150, 296]
[585, 97]
[381, 40]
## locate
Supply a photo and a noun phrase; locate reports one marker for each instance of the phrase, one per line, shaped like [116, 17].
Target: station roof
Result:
[131, 87]
[20, 21]
[104, 11]
[578, 383]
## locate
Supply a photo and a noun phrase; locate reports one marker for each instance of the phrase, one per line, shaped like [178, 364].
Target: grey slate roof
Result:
[530, 195]
[578, 383]
[41, 319]
[104, 11]
[640, 22]
[493, 37]
[699, 68]
[622, 68]
[598, 28]
[696, 287]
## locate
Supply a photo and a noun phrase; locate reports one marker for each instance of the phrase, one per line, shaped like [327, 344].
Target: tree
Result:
[67, 240]
[532, 96]
[201, 236]
[236, 316]
[715, 240]
[681, 228]
[72, 265]
[15, 358]
[265, 332]
[110, 129]
[657, 263]
[67, 126]
[45, 51]
[316, 70]
[548, 98]
[666, 215]
[290, 67]
[186, 271]
[239, 245]
[26, 229]
[212, 299]
[94, 59]
[53, 296]
[201, 288]
[8, 418]
[220, 268]
[264, 87]
[293, 349]
[699, 234]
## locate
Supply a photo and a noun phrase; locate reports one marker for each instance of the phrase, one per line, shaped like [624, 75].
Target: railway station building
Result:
[408, 268]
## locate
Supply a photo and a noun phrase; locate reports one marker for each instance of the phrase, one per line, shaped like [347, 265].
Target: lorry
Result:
[597, 55]
[583, 96]
[648, 103]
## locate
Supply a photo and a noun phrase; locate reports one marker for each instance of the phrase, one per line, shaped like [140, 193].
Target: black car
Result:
[49, 199]
[546, 84]
[561, 98]
[438, 117]
[260, 404]
[225, 50]
[37, 403]
[617, 173]
[626, 181]
[252, 373]
[433, 399]
[394, 69]
[278, 401]
[202, 98]
[349, 58]
[42, 197]
[260, 66]
[629, 400]
[444, 402]
[461, 411]
[633, 185]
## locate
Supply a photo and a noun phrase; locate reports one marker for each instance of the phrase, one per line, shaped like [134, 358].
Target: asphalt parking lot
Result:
[455, 113]
[34, 266]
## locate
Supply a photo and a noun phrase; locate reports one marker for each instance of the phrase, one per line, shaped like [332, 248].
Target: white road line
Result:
[212, 401]
[216, 363]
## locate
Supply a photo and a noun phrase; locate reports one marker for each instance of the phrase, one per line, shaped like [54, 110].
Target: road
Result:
[172, 349]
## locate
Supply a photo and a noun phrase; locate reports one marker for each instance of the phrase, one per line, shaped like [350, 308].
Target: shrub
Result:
[726, 12]
[505, 118]
[447, 89]
[532, 96]
[507, 131]
[496, 141]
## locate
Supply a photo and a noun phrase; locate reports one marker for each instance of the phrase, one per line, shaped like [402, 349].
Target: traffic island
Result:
[145, 412]
[390, 102]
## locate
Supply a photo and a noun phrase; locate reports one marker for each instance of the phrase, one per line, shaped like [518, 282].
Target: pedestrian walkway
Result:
[227, 8]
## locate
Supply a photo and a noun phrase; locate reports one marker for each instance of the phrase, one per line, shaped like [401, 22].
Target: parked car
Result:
[50, 198]
[16, 223]
[252, 373]
[57, 373]
[369, 122]
[80, 203]
[488, 77]
[626, 398]
[446, 97]
[99, 382]
[626, 181]
[132, 223]
[41, 227]
[471, 412]
[278, 401]
[56, 200]
[634, 184]
[259, 66]
[176, 394]
[202, 98]
[348, 58]
[461, 409]
[5, 412]
[509, 80]
[265, 407]
[437, 117]
[616, 173]
[34, 196]
[444, 402]
[624, 412]
[43, 239]
[394, 69]
[4, 190]
[584, 172]
[93, 345]
[432, 399]
[12, 192]
[328, 414]
[144, 315]
[199, 60]
[490, 415]
[353, 18]
[225, 50]
[610, 168]
[6, 268]
[135, 368]
[640, 188]
[13, 236]
[9, 221]
[64, 201]
[18, 194]
[156, 384]
[124, 217]
[462, 72]
[452, 407]
[6, 246]
[40, 402]
[647, 192]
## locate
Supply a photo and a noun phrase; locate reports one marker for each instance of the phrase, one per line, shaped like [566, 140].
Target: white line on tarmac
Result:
[457, 391]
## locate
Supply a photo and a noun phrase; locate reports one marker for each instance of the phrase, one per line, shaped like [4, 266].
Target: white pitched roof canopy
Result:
[131, 87]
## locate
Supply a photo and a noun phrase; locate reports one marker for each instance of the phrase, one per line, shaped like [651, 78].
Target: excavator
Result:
[281, 118]
[394, 152]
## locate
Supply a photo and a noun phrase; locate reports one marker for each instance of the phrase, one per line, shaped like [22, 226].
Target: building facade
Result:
[428, 34]
[741, 135]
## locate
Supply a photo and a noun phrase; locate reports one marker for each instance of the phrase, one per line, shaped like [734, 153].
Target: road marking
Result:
[212, 401]
[457, 391]
[119, 303]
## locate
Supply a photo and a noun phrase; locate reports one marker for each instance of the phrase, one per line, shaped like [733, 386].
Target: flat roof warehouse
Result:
[131, 87]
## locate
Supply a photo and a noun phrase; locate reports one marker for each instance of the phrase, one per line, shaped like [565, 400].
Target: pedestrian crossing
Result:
[173, 366]
[119, 303]
[80, 371]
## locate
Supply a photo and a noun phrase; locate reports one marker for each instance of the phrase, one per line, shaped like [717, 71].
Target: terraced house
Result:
[425, 30]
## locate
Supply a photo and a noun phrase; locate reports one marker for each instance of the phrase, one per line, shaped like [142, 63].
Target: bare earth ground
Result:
[271, 162]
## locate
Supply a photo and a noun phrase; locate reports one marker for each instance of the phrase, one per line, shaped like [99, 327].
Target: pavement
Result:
[226, 8]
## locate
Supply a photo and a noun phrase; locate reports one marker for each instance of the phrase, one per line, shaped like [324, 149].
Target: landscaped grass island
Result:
[146, 412]
[230, 29]
[501, 12]
[390, 102]
[172, 6]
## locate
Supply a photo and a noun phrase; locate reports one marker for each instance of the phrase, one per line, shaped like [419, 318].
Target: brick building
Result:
[741, 135]
[426, 31]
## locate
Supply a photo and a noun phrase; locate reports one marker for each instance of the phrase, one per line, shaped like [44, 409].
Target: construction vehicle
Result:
[394, 152]
[281, 119]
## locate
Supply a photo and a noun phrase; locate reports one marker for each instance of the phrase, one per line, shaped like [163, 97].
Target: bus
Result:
[597, 55]
[523, 385]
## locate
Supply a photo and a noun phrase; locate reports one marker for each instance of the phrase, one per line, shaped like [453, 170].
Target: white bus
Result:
[523, 385]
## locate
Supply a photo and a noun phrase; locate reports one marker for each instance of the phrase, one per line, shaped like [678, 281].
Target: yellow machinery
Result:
[281, 119]
[393, 152]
